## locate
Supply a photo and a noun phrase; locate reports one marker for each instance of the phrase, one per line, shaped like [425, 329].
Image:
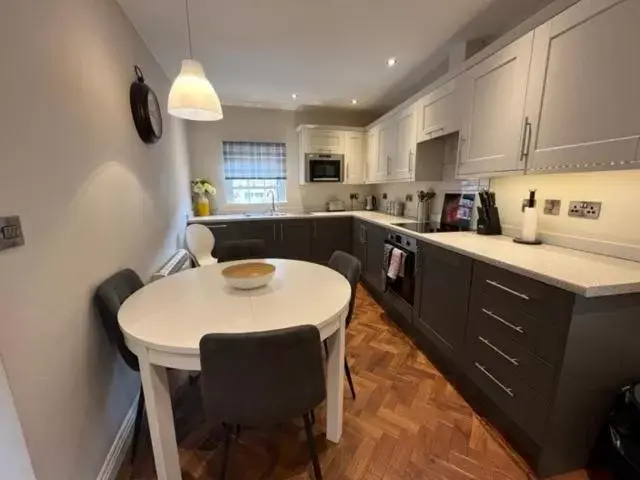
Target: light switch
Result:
[10, 232]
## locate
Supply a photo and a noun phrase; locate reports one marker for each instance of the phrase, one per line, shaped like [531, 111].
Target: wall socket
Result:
[552, 207]
[585, 209]
[11, 232]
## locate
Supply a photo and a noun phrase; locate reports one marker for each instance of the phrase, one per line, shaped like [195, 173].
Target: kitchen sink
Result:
[266, 214]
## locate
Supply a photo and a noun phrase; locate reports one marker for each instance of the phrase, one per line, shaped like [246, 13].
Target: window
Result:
[252, 169]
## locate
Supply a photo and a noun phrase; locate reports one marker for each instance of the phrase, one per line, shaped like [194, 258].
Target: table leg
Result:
[335, 384]
[160, 415]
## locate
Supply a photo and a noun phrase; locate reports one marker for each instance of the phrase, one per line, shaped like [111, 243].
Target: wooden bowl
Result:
[249, 275]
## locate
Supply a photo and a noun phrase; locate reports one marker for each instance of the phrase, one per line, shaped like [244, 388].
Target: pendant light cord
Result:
[189, 30]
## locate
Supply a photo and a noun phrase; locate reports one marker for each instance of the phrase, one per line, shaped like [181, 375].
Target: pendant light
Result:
[192, 96]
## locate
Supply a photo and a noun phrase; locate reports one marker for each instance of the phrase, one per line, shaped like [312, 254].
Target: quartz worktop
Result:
[587, 274]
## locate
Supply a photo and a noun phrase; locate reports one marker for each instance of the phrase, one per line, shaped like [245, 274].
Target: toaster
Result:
[335, 206]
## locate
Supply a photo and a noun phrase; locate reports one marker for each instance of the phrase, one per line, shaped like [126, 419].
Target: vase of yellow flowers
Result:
[202, 190]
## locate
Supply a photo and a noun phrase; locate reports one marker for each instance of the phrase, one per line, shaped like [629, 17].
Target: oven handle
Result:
[400, 247]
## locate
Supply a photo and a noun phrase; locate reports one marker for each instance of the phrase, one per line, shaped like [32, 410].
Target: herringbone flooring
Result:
[406, 423]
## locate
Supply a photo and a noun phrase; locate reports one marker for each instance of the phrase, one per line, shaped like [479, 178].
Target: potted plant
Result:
[201, 187]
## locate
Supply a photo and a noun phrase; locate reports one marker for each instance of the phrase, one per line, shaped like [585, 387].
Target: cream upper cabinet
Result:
[354, 158]
[403, 162]
[438, 112]
[584, 91]
[387, 149]
[371, 163]
[317, 140]
[493, 95]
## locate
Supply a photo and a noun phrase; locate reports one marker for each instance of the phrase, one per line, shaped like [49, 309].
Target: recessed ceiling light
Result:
[354, 101]
[391, 62]
[294, 95]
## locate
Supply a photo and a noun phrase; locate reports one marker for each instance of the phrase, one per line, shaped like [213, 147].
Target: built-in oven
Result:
[324, 167]
[400, 291]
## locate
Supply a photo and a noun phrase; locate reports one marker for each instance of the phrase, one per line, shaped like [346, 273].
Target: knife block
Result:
[489, 225]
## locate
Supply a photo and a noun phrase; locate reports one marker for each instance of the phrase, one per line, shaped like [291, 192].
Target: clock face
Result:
[146, 111]
[155, 114]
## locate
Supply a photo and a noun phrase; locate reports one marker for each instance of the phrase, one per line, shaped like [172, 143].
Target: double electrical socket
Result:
[584, 209]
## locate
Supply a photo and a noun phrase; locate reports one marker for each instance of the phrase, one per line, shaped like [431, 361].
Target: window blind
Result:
[254, 160]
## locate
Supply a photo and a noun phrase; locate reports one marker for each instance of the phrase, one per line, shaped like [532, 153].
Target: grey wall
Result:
[93, 199]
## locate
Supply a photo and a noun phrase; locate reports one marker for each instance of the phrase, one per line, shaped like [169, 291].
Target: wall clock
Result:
[145, 109]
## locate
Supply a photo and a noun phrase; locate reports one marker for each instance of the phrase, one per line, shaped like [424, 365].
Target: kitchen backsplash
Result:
[616, 232]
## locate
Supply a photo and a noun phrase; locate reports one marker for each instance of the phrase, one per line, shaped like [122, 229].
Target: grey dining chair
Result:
[260, 379]
[349, 267]
[107, 300]
[241, 250]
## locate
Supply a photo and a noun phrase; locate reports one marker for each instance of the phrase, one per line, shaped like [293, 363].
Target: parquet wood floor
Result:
[407, 423]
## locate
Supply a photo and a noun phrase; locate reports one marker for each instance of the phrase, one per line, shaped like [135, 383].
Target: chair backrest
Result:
[200, 242]
[261, 378]
[350, 268]
[241, 250]
[107, 299]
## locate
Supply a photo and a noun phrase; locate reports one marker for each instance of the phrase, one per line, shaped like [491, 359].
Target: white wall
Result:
[617, 232]
[93, 199]
[14, 458]
[255, 124]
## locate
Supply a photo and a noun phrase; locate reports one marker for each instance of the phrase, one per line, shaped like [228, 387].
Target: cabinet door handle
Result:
[513, 361]
[526, 140]
[410, 161]
[282, 232]
[388, 165]
[274, 232]
[217, 226]
[506, 389]
[314, 229]
[508, 290]
[517, 328]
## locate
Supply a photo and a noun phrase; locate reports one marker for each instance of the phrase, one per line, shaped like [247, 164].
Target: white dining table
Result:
[164, 322]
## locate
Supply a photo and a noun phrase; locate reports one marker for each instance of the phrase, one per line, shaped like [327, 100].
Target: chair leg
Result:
[137, 427]
[317, 471]
[228, 429]
[347, 371]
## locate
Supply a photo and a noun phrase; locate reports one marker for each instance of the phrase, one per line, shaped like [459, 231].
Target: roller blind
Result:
[254, 160]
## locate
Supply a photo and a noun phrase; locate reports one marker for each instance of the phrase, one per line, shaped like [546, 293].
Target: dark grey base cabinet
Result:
[309, 239]
[542, 364]
[330, 235]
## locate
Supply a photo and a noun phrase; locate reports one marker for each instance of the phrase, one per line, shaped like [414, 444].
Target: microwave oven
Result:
[324, 167]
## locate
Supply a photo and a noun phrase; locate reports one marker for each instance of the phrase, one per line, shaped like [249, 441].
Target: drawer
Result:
[544, 337]
[518, 402]
[508, 359]
[538, 299]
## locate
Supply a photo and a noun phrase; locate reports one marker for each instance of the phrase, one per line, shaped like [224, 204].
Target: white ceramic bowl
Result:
[249, 275]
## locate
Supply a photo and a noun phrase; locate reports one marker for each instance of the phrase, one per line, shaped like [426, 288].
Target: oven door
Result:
[324, 168]
[404, 286]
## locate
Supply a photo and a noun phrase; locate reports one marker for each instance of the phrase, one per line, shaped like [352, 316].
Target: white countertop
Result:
[587, 274]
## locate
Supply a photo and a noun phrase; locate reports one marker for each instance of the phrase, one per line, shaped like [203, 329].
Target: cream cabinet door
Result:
[584, 93]
[387, 148]
[354, 158]
[493, 97]
[324, 141]
[403, 163]
[438, 112]
[371, 163]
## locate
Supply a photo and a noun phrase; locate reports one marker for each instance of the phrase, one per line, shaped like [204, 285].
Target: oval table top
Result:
[172, 314]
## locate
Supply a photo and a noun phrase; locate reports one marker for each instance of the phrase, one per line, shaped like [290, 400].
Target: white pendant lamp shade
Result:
[192, 96]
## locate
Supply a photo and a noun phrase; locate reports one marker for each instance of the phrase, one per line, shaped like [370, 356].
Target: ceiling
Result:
[260, 52]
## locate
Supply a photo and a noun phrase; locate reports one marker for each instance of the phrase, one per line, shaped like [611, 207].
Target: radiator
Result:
[180, 260]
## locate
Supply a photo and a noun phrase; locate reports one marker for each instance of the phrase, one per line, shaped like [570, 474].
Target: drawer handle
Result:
[513, 361]
[517, 328]
[507, 390]
[512, 292]
[217, 226]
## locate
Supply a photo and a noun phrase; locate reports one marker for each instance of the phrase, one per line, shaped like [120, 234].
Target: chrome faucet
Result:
[274, 206]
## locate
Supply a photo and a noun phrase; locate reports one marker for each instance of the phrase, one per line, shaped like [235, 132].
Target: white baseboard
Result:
[120, 446]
